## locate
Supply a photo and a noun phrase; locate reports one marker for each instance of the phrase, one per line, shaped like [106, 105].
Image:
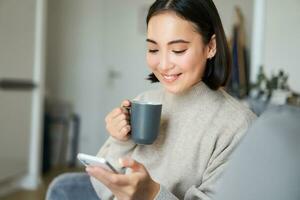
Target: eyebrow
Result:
[171, 42]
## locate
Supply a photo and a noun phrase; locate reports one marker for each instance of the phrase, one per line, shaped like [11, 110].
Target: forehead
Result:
[169, 26]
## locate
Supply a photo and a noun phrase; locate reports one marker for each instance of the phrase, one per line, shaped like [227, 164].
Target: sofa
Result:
[266, 164]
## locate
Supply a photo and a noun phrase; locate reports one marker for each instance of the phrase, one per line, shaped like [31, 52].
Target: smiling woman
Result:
[207, 33]
[177, 55]
[200, 123]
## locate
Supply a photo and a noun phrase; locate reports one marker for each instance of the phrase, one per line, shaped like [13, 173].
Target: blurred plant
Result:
[265, 86]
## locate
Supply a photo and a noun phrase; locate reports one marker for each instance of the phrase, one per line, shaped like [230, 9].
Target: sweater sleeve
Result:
[216, 165]
[112, 150]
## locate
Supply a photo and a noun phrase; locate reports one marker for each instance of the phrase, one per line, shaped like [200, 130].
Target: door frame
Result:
[258, 37]
[33, 178]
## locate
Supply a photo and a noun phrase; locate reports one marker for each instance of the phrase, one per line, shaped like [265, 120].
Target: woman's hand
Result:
[134, 186]
[117, 122]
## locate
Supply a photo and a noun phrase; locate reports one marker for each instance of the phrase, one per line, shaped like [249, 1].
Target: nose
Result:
[165, 63]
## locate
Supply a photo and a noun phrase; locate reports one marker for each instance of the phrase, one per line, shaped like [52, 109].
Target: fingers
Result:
[117, 112]
[122, 124]
[126, 103]
[130, 163]
[125, 130]
[117, 122]
[130, 185]
[108, 178]
[121, 117]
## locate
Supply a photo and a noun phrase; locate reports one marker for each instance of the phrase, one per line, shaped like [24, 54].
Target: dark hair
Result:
[204, 14]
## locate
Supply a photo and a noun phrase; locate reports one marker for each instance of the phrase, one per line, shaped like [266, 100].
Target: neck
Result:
[197, 92]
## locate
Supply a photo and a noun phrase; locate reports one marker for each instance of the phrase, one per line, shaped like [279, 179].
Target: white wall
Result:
[282, 39]
[125, 48]
[124, 52]
[87, 39]
[227, 13]
[74, 62]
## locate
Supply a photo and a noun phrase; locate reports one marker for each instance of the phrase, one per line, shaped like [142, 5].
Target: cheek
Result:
[190, 63]
[193, 66]
[152, 61]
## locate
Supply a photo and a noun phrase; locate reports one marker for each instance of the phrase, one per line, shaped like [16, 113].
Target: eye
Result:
[152, 50]
[179, 52]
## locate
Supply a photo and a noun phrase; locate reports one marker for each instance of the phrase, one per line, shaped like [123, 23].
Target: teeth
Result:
[170, 77]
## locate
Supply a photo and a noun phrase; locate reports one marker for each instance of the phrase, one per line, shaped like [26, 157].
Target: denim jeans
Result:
[75, 186]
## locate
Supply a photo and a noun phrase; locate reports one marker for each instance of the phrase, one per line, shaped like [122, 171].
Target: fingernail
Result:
[87, 169]
[121, 162]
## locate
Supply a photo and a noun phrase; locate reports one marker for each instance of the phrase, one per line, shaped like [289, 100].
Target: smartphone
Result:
[89, 160]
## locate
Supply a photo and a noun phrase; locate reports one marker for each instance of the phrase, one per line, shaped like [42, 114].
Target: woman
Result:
[200, 125]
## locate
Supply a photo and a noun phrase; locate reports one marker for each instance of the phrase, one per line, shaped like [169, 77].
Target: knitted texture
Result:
[199, 130]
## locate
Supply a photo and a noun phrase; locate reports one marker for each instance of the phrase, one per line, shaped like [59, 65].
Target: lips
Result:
[170, 77]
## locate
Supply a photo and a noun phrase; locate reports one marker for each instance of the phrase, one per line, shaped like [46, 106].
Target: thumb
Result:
[130, 163]
[125, 103]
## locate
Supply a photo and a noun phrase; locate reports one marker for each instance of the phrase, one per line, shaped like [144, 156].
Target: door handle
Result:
[17, 84]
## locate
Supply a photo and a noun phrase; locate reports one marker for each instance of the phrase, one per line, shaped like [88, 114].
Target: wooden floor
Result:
[40, 193]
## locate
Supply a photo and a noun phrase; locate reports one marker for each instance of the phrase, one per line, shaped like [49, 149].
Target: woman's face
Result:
[176, 52]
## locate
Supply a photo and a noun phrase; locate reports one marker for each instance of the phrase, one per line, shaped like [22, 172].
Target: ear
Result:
[212, 47]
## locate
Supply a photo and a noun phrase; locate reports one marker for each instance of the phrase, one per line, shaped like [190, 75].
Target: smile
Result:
[170, 78]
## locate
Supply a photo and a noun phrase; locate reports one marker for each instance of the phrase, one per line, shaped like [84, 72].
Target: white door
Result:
[125, 50]
[19, 99]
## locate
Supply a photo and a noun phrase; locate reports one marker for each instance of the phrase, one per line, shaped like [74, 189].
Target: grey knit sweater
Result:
[199, 130]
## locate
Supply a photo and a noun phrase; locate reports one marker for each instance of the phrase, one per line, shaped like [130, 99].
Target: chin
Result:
[174, 89]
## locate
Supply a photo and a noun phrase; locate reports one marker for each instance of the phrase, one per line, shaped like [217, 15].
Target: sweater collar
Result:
[197, 92]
